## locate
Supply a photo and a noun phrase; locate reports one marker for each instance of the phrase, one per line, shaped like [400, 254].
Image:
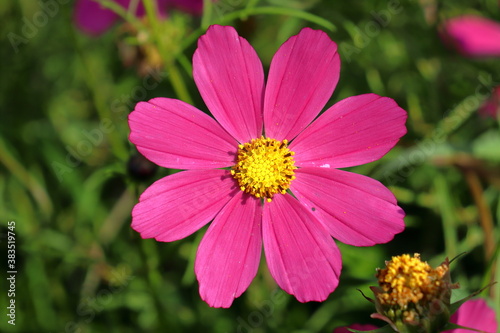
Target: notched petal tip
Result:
[229, 254]
[230, 78]
[301, 256]
[303, 74]
[336, 196]
[357, 130]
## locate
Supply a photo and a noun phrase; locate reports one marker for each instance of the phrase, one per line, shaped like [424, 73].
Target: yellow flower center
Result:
[264, 167]
[409, 280]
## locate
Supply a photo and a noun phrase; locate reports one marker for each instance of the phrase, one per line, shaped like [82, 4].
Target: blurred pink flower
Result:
[491, 107]
[473, 314]
[94, 19]
[473, 36]
[476, 36]
[249, 203]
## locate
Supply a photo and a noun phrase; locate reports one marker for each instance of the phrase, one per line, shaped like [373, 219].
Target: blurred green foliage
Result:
[64, 99]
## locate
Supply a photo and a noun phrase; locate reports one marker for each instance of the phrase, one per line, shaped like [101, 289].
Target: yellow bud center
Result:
[408, 280]
[264, 167]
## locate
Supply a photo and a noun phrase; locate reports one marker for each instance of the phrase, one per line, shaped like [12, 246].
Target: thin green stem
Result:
[174, 75]
[207, 13]
[268, 10]
[251, 4]
[447, 210]
[100, 102]
[186, 64]
[127, 15]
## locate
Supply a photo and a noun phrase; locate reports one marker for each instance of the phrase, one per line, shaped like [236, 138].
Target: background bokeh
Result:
[69, 176]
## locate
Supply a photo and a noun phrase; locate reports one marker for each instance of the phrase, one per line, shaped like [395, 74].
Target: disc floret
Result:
[264, 167]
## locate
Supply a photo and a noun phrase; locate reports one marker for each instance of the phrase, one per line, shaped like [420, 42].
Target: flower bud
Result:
[412, 296]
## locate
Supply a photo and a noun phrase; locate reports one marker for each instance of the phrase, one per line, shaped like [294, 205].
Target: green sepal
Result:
[454, 307]
[366, 297]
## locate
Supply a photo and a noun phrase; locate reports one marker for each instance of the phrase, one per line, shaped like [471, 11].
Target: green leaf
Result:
[454, 307]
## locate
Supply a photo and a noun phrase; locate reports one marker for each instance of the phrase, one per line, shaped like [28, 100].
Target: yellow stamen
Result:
[264, 167]
[408, 280]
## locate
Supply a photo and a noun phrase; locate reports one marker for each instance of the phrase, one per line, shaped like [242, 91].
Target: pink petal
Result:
[92, 18]
[474, 314]
[473, 36]
[359, 327]
[176, 135]
[230, 78]
[176, 206]
[355, 209]
[229, 253]
[354, 131]
[302, 77]
[301, 256]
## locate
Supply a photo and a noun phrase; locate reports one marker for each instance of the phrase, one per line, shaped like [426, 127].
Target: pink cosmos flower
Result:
[94, 19]
[473, 36]
[262, 171]
[473, 314]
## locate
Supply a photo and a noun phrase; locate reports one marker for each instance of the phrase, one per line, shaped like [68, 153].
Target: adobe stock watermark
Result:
[122, 106]
[92, 139]
[11, 272]
[90, 307]
[371, 29]
[32, 25]
[407, 162]
[264, 310]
